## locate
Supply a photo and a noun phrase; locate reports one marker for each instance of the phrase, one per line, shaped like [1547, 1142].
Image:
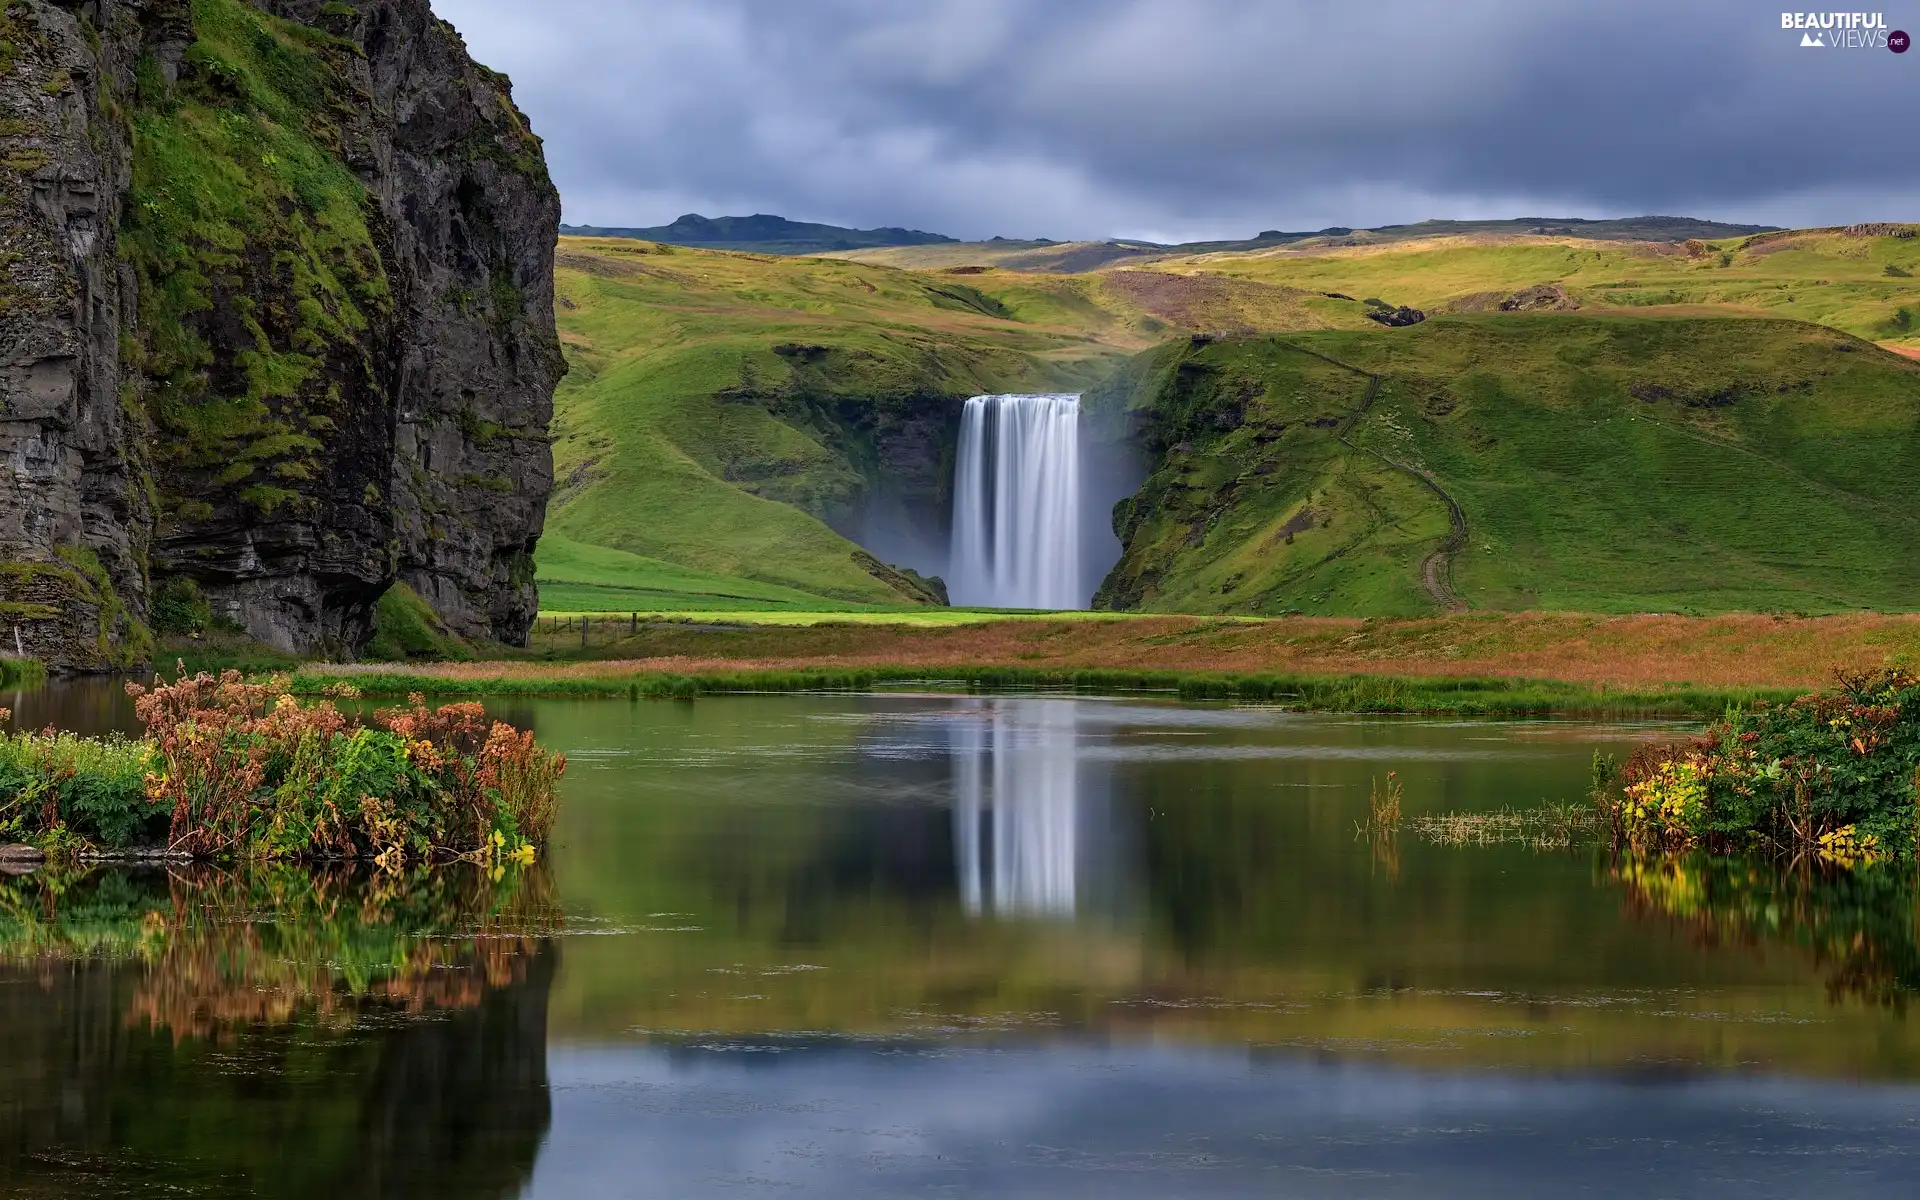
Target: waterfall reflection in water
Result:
[1016, 812]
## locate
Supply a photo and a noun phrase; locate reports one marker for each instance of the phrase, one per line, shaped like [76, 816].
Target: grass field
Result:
[578, 577]
[1469, 663]
[561, 627]
[1603, 464]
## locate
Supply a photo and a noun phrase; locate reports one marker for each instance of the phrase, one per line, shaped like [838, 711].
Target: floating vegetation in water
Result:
[1550, 827]
[1832, 776]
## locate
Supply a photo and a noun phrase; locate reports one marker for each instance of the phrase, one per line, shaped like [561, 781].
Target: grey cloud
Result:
[1198, 118]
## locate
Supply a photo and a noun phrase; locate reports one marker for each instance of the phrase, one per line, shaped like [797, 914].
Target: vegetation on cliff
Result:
[284, 275]
[230, 769]
[260, 279]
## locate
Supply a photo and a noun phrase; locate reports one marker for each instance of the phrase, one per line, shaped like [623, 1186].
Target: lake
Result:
[907, 944]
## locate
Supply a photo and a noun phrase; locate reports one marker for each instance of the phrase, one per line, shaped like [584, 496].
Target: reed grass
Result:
[1551, 827]
[1382, 694]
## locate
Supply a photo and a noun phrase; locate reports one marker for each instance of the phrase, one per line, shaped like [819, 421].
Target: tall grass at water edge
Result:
[1383, 694]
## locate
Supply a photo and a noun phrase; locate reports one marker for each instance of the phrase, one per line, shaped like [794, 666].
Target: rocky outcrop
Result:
[75, 515]
[289, 331]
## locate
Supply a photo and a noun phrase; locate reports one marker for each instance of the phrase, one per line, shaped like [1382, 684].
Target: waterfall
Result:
[1016, 504]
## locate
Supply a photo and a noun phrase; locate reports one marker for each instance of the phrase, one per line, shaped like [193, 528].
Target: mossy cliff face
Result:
[329, 246]
[75, 512]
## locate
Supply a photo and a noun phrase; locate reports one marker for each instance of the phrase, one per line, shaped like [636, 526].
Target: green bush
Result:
[405, 628]
[180, 608]
[1832, 774]
[95, 788]
[233, 770]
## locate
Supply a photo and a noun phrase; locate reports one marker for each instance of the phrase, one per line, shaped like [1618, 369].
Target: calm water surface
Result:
[904, 945]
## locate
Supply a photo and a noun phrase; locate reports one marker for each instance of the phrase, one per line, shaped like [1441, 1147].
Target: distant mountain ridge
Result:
[769, 234]
[763, 232]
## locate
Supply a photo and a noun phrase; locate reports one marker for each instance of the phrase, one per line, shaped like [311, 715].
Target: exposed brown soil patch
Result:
[1206, 302]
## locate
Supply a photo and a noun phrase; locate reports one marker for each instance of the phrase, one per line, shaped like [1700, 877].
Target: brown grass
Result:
[1636, 652]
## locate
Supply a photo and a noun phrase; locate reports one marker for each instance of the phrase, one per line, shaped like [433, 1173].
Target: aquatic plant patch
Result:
[1832, 775]
[232, 769]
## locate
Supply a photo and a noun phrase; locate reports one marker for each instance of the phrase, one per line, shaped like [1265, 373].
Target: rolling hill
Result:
[784, 422]
[1540, 461]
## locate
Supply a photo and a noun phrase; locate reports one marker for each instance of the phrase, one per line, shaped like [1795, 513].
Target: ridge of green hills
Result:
[752, 420]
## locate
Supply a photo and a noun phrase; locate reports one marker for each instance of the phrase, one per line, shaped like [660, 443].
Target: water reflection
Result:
[273, 1033]
[1857, 926]
[867, 945]
[94, 705]
[1016, 811]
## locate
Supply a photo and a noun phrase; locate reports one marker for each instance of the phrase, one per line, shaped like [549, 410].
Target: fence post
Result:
[583, 632]
[633, 624]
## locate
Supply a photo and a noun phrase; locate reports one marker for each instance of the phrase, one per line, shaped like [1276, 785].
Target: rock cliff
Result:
[276, 323]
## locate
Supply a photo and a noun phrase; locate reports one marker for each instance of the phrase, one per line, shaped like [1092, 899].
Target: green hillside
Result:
[742, 416]
[1608, 464]
[575, 577]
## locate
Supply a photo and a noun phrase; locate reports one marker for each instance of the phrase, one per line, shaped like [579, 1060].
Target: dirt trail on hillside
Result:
[1436, 570]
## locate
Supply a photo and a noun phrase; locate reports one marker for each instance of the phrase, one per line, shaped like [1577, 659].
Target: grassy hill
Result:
[1049, 256]
[736, 422]
[1603, 464]
[1867, 285]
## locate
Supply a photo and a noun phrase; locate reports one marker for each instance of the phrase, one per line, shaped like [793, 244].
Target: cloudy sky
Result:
[1181, 119]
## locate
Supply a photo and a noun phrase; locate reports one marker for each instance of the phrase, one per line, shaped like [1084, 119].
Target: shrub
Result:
[237, 769]
[179, 607]
[90, 786]
[1831, 775]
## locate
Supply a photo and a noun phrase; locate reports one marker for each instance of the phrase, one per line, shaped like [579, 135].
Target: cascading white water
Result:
[1016, 504]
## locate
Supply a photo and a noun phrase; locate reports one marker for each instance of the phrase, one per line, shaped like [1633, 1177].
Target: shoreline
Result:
[1365, 694]
[1494, 664]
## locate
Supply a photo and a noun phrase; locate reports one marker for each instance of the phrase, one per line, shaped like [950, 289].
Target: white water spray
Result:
[1016, 504]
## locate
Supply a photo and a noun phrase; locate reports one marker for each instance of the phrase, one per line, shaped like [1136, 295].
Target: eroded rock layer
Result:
[276, 323]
